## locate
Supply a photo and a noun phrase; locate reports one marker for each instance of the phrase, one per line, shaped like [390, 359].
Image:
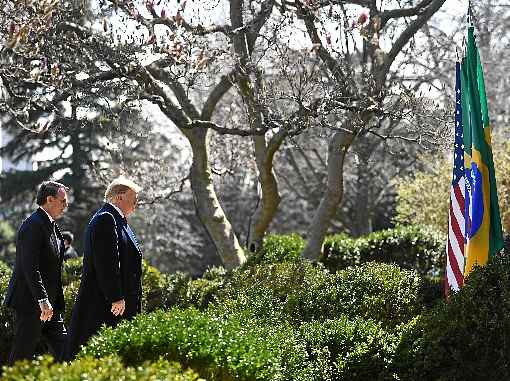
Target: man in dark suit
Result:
[110, 287]
[35, 288]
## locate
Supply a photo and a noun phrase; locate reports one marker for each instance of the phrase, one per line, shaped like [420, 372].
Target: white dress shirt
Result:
[117, 209]
[51, 220]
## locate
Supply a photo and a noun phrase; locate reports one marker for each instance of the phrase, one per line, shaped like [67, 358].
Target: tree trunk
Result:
[270, 197]
[207, 205]
[264, 153]
[338, 146]
[363, 201]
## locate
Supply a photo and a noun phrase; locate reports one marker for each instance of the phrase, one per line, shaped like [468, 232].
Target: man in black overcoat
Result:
[110, 287]
[35, 288]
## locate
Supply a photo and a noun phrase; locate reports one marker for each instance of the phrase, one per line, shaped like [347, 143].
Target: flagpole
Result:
[470, 14]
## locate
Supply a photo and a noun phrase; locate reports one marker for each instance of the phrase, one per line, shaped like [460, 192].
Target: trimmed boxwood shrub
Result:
[278, 248]
[354, 349]
[466, 338]
[70, 293]
[71, 271]
[238, 347]
[417, 248]
[412, 247]
[215, 273]
[6, 316]
[4, 269]
[301, 291]
[432, 290]
[7, 243]
[180, 290]
[153, 288]
[231, 348]
[109, 368]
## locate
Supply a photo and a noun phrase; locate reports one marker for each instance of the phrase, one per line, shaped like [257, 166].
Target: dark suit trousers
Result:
[28, 331]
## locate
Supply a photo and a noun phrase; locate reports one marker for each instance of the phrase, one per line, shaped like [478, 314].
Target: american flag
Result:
[456, 221]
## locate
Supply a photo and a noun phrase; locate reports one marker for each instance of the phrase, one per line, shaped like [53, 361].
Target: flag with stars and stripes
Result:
[456, 221]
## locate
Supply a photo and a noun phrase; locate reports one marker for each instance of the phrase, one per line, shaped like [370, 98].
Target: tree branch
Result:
[224, 130]
[171, 110]
[404, 38]
[332, 64]
[216, 94]
[166, 195]
[66, 26]
[178, 90]
[405, 12]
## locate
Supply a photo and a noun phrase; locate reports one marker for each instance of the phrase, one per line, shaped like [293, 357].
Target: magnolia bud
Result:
[363, 17]
[178, 18]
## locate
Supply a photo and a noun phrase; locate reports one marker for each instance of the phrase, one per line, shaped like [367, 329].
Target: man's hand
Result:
[118, 307]
[46, 310]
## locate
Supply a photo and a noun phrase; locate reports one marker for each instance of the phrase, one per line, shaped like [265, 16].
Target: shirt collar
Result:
[51, 218]
[117, 209]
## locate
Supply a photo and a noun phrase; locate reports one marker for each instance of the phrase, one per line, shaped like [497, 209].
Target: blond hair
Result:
[120, 185]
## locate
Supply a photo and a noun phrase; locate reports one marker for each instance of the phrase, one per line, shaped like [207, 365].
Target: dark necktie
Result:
[54, 236]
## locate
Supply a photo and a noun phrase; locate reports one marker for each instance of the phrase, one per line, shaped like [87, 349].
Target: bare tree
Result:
[185, 65]
[361, 88]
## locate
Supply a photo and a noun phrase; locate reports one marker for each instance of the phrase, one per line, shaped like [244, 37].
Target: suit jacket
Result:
[38, 268]
[112, 270]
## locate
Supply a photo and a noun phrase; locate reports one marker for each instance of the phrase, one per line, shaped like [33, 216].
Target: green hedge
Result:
[467, 338]
[300, 291]
[278, 248]
[6, 316]
[180, 290]
[70, 293]
[233, 348]
[71, 270]
[109, 368]
[7, 243]
[351, 349]
[5, 270]
[412, 247]
[422, 249]
[238, 347]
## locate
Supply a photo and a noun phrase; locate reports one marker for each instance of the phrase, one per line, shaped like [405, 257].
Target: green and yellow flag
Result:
[484, 236]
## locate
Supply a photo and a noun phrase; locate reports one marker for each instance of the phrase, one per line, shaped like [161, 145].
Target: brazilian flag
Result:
[484, 236]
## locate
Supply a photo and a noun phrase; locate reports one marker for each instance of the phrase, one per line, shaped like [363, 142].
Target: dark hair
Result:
[68, 236]
[48, 188]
